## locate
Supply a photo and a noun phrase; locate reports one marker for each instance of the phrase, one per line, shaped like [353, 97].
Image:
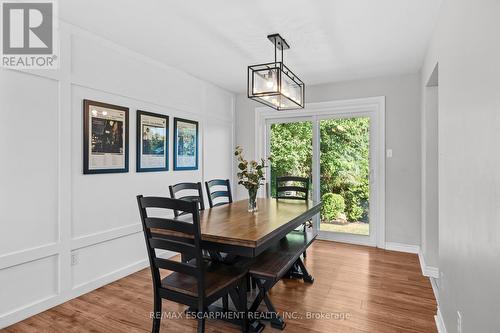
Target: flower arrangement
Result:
[251, 176]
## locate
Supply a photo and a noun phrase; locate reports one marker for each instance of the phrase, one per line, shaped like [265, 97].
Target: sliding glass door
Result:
[336, 153]
[345, 175]
[291, 150]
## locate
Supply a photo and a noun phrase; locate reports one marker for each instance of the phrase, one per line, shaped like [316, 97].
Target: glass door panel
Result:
[337, 153]
[345, 175]
[291, 150]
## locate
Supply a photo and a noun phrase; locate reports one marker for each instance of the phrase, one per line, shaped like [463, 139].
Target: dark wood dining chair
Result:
[197, 283]
[294, 188]
[187, 190]
[225, 194]
[299, 190]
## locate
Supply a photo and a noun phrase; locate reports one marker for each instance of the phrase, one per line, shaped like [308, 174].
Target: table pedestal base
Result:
[299, 271]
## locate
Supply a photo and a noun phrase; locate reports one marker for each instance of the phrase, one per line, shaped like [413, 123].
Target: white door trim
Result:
[374, 105]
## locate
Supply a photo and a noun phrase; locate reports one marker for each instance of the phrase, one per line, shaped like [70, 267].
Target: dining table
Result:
[233, 230]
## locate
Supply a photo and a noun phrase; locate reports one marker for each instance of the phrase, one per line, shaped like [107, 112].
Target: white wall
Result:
[430, 199]
[467, 47]
[48, 208]
[402, 136]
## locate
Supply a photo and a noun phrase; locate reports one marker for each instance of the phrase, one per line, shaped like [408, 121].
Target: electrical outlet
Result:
[389, 153]
[74, 259]
[459, 322]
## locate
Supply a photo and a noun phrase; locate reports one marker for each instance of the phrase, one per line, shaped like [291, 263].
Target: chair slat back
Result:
[187, 188]
[286, 185]
[186, 241]
[170, 224]
[214, 194]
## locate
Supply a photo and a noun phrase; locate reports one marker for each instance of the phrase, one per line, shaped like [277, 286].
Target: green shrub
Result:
[344, 159]
[333, 206]
[355, 213]
[353, 207]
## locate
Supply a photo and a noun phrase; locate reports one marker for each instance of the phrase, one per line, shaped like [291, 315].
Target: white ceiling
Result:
[215, 40]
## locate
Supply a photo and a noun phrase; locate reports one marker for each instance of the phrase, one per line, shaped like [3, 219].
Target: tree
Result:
[344, 158]
[333, 206]
[291, 150]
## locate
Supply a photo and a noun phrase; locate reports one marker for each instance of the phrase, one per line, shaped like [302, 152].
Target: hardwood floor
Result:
[374, 290]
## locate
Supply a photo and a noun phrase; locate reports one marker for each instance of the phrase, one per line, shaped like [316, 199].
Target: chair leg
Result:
[157, 314]
[225, 302]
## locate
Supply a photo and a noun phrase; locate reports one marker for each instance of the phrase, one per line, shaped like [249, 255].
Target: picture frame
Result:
[186, 145]
[152, 141]
[105, 138]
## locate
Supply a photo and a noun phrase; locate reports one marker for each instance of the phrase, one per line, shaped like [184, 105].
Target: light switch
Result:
[389, 153]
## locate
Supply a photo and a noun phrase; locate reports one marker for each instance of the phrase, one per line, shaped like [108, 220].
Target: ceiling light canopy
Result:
[274, 84]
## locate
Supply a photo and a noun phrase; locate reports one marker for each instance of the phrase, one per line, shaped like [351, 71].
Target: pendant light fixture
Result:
[274, 84]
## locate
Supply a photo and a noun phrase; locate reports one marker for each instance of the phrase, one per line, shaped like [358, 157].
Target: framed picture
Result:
[152, 142]
[105, 138]
[185, 144]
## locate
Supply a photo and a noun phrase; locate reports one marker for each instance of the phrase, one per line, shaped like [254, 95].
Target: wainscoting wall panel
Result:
[113, 255]
[81, 232]
[36, 281]
[29, 162]
[109, 208]
[220, 148]
[97, 64]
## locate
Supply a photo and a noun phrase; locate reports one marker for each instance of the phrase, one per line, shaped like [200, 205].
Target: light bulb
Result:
[270, 84]
[104, 113]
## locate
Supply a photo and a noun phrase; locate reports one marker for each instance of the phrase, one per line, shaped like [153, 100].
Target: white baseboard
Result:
[435, 289]
[429, 271]
[441, 328]
[432, 272]
[34, 308]
[400, 247]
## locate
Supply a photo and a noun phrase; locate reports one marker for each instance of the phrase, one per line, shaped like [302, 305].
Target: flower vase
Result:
[252, 200]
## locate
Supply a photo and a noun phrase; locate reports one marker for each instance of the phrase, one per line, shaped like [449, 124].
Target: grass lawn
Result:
[358, 228]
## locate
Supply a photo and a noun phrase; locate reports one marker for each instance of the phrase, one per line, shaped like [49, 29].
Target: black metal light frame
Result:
[282, 72]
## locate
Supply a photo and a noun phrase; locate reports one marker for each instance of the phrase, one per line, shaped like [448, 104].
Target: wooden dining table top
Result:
[233, 224]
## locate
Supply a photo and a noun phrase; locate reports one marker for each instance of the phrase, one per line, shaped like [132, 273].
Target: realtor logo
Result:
[28, 35]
